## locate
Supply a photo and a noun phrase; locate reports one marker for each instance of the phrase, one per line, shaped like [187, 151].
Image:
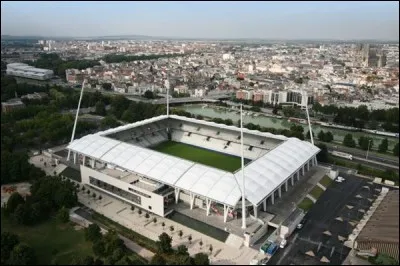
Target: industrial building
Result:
[26, 71]
[378, 231]
[119, 162]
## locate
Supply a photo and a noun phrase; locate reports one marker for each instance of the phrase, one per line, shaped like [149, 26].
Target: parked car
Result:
[301, 224]
[283, 243]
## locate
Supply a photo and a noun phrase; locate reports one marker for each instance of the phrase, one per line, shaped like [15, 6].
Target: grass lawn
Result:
[211, 158]
[326, 181]
[316, 192]
[53, 242]
[305, 204]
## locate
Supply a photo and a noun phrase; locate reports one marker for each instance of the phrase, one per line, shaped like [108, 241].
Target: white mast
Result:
[76, 118]
[308, 116]
[242, 155]
[167, 101]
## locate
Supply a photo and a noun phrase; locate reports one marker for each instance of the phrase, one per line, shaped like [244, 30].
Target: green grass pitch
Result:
[203, 156]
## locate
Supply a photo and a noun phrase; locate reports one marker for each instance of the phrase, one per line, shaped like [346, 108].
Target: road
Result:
[376, 164]
[383, 158]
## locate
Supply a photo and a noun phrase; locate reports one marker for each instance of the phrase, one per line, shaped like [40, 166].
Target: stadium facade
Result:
[121, 163]
[26, 71]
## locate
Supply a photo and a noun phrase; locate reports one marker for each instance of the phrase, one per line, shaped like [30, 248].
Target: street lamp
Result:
[369, 144]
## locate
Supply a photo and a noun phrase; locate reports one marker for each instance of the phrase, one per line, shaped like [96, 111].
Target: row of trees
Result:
[129, 111]
[361, 116]
[13, 252]
[366, 143]
[48, 195]
[108, 248]
[115, 58]
[166, 255]
[58, 65]
[325, 136]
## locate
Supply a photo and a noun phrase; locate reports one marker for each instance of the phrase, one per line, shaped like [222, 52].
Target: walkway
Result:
[145, 253]
[120, 212]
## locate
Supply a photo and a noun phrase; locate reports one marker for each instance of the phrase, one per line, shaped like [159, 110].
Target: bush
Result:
[63, 215]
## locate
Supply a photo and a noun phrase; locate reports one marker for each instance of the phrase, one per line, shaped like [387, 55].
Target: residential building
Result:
[11, 105]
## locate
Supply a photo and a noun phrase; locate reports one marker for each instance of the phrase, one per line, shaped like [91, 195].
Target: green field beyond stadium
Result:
[203, 156]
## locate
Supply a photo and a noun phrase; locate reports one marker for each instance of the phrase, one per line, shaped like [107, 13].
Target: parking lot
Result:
[329, 222]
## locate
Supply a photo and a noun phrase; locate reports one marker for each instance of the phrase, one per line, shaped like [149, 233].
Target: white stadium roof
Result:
[262, 176]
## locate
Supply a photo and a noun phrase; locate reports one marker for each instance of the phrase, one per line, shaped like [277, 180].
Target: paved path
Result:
[120, 212]
[145, 253]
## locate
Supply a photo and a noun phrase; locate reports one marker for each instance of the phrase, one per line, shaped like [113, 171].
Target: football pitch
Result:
[203, 156]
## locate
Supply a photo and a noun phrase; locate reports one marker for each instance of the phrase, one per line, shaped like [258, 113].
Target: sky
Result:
[267, 20]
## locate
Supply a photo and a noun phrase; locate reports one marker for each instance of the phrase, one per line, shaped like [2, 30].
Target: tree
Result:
[100, 108]
[63, 215]
[93, 233]
[383, 147]
[140, 212]
[147, 215]
[94, 195]
[180, 233]
[157, 259]
[154, 220]
[8, 242]
[321, 135]
[88, 260]
[328, 136]
[322, 156]
[365, 143]
[171, 228]
[132, 208]
[201, 259]
[348, 141]
[148, 94]
[107, 86]
[117, 254]
[164, 243]
[308, 135]
[98, 262]
[22, 254]
[99, 248]
[396, 149]
[22, 214]
[182, 250]
[190, 239]
[13, 201]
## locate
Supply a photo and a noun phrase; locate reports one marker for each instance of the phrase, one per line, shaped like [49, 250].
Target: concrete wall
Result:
[156, 202]
[262, 231]
[287, 230]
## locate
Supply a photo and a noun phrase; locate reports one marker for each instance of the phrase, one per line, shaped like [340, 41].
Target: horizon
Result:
[204, 20]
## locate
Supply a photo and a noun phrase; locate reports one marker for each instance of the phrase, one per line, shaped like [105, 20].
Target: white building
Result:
[199, 92]
[26, 71]
[118, 162]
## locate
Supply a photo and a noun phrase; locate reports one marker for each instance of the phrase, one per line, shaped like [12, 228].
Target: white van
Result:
[283, 243]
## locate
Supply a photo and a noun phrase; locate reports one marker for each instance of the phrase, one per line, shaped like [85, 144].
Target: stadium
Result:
[156, 163]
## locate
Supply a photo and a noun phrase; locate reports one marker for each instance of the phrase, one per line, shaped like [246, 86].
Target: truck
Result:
[271, 250]
[342, 155]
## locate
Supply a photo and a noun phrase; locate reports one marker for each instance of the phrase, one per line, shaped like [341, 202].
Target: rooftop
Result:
[383, 226]
[262, 176]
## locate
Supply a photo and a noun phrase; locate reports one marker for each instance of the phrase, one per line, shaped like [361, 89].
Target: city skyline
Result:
[208, 20]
